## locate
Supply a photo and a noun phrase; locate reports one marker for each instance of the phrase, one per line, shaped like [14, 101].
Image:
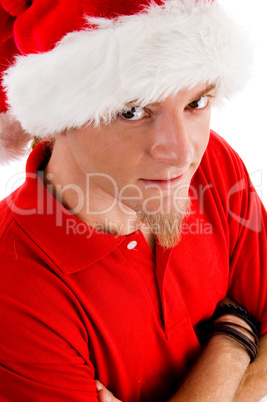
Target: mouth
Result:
[165, 183]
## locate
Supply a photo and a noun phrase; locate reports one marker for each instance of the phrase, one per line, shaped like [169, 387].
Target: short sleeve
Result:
[248, 247]
[44, 353]
[244, 221]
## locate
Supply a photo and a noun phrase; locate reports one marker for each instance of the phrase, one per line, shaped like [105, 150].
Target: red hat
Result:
[82, 61]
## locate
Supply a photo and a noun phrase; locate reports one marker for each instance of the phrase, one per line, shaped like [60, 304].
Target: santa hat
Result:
[82, 61]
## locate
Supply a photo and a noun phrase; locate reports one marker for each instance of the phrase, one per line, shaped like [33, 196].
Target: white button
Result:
[132, 245]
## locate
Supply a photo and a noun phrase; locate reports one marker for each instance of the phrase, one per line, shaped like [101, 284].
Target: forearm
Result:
[222, 373]
[217, 374]
[253, 386]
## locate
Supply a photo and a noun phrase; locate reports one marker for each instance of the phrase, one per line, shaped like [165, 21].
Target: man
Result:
[135, 220]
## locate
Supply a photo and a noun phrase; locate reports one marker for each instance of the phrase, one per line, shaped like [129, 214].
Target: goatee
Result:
[167, 227]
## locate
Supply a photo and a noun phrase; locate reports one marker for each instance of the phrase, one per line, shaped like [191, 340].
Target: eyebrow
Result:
[197, 96]
[205, 92]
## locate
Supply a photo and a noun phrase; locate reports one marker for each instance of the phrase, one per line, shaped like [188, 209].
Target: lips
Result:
[164, 183]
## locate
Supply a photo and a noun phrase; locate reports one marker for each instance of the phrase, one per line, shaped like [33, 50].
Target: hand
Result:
[104, 395]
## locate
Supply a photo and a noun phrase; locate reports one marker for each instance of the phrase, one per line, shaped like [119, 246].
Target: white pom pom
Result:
[13, 139]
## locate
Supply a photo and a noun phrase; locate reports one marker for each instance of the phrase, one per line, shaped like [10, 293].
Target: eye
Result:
[134, 113]
[200, 103]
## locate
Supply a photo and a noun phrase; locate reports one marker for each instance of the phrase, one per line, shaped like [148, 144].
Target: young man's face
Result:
[146, 157]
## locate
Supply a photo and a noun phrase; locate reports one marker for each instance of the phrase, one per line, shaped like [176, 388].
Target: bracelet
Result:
[238, 311]
[230, 329]
[233, 324]
[226, 328]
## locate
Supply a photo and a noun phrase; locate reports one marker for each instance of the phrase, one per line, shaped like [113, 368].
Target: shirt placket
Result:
[140, 256]
[172, 301]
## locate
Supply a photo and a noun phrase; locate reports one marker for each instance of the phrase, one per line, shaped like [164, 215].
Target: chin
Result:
[166, 226]
[168, 205]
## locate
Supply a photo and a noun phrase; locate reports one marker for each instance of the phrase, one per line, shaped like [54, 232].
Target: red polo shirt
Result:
[77, 304]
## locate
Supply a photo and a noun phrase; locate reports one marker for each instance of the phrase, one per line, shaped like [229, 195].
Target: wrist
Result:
[236, 324]
[230, 350]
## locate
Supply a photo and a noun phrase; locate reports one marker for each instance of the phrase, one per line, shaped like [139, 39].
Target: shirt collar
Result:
[70, 243]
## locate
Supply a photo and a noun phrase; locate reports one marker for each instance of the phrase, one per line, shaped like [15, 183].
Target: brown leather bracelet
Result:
[233, 324]
[238, 311]
[223, 328]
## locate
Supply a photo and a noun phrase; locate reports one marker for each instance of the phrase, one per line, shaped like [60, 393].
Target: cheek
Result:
[201, 136]
[203, 143]
[91, 150]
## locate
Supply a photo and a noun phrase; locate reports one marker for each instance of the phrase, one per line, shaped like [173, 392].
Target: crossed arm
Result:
[222, 373]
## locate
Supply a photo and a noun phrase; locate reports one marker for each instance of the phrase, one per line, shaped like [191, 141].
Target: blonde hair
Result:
[36, 141]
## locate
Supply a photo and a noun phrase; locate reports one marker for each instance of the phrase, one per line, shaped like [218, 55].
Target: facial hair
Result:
[167, 227]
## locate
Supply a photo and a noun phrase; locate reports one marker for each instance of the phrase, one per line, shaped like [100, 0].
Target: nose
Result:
[171, 141]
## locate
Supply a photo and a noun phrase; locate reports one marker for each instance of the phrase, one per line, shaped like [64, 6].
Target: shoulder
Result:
[231, 191]
[228, 188]
[33, 294]
[6, 213]
[222, 169]
[221, 159]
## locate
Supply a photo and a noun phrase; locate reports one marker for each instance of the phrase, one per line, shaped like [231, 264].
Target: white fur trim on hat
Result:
[91, 74]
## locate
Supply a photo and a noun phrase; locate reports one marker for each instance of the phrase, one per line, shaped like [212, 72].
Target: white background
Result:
[242, 121]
